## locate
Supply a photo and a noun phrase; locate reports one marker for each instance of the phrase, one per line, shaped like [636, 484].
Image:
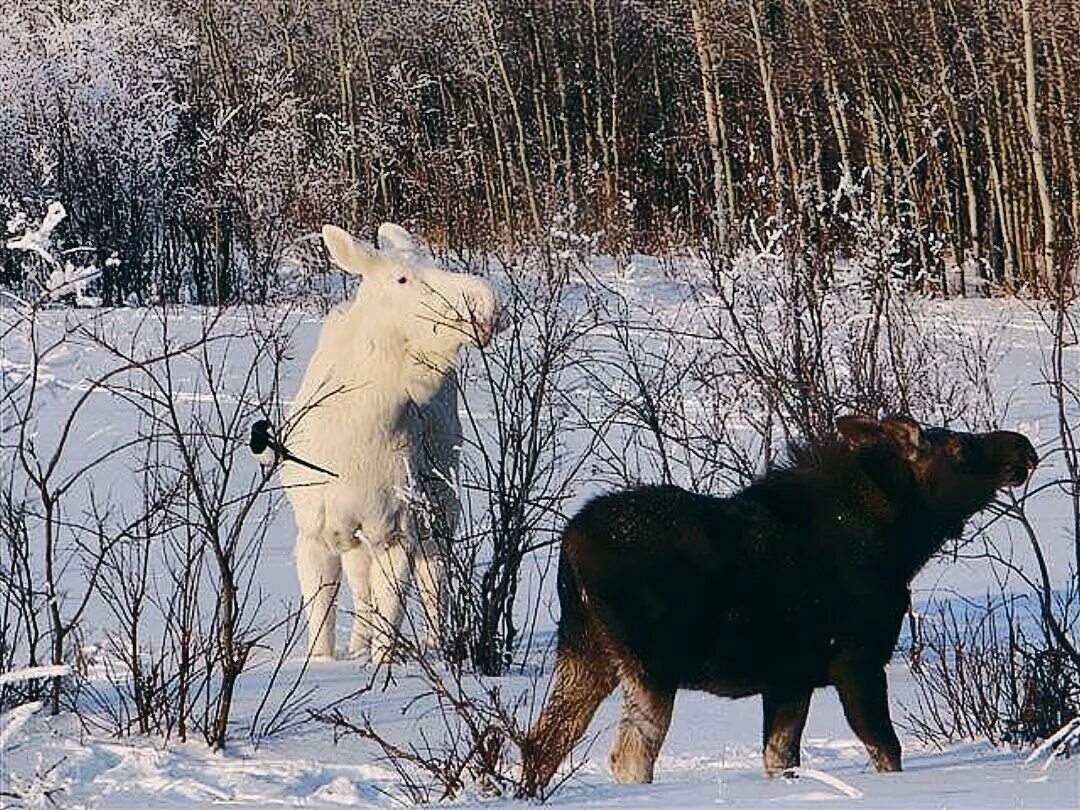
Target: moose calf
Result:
[799, 581]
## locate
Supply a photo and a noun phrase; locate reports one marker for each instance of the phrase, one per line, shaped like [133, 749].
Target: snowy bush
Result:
[91, 114]
[57, 278]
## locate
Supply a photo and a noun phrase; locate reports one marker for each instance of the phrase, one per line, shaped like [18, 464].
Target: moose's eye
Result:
[403, 280]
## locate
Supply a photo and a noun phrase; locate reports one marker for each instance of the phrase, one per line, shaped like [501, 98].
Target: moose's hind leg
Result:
[319, 570]
[356, 563]
[584, 675]
[391, 572]
[430, 582]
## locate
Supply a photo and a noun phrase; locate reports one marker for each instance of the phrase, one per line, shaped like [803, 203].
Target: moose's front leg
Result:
[785, 713]
[864, 695]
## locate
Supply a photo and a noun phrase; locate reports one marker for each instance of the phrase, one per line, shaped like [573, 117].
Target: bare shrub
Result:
[1008, 670]
[464, 743]
[61, 525]
[462, 734]
[22, 638]
[518, 467]
[214, 516]
[988, 671]
[808, 343]
[196, 514]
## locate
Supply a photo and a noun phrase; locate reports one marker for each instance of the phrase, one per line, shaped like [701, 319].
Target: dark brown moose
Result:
[799, 581]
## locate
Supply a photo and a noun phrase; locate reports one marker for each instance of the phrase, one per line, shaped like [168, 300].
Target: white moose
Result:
[378, 407]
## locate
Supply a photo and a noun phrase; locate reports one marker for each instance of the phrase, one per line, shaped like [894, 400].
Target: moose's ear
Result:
[348, 254]
[395, 239]
[860, 431]
[905, 433]
[896, 431]
[903, 429]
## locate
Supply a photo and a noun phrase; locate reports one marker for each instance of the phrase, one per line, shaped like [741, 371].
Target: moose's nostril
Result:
[482, 330]
[1032, 458]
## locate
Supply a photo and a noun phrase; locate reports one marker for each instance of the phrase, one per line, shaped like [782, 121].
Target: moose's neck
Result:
[426, 373]
[914, 531]
[941, 514]
[918, 541]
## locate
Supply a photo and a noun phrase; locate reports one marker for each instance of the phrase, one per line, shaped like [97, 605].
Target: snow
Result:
[12, 721]
[37, 239]
[64, 278]
[712, 754]
[711, 758]
[31, 673]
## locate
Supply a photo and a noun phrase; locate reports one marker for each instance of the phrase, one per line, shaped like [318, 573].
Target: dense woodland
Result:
[200, 143]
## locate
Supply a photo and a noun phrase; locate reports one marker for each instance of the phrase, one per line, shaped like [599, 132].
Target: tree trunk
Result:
[712, 123]
[515, 111]
[833, 99]
[1038, 164]
[764, 61]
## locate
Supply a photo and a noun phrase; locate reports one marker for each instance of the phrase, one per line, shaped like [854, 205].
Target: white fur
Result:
[380, 382]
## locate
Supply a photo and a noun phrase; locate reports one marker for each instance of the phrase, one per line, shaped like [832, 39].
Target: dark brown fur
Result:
[799, 581]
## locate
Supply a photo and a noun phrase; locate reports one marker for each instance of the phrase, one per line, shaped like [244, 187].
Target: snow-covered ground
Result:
[712, 754]
[711, 757]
